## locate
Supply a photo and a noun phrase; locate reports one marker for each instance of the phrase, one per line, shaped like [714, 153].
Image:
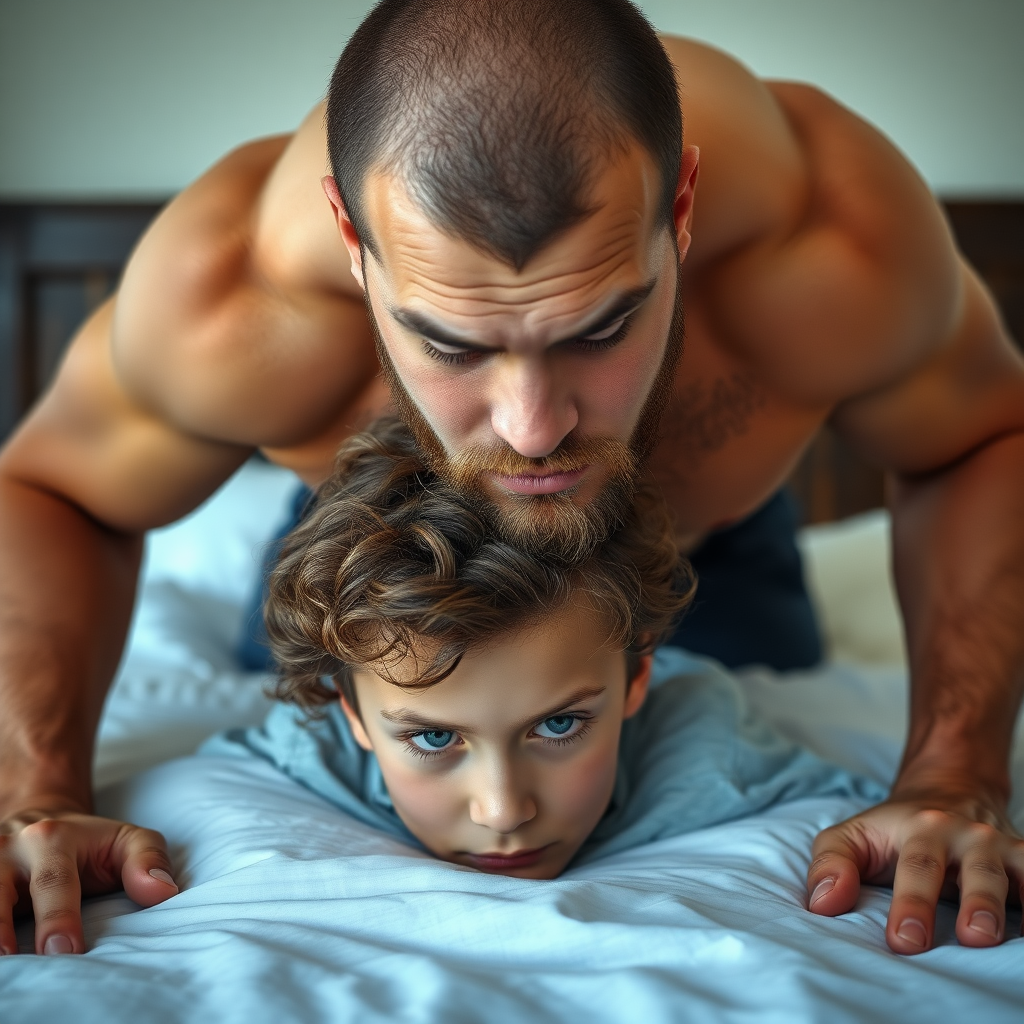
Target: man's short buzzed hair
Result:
[496, 114]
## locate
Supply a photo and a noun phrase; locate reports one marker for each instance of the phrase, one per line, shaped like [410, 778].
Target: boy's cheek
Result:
[584, 789]
[423, 801]
[576, 794]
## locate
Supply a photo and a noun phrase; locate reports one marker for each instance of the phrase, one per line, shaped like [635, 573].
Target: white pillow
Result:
[849, 575]
[180, 680]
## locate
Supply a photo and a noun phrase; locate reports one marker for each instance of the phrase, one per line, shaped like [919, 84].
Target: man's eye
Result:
[446, 349]
[559, 727]
[609, 337]
[606, 333]
[432, 740]
[450, 355]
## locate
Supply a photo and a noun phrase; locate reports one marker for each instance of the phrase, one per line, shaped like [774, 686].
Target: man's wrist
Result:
[956, 763]
[43, 787]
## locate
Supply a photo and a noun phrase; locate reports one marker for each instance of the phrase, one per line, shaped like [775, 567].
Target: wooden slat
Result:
[991, 235]
[57, 263]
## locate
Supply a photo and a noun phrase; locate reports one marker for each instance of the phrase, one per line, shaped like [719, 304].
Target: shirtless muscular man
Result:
[511, 194]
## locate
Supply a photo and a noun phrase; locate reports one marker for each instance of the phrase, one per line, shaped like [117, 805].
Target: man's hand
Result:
[925, 848]
[50, 858]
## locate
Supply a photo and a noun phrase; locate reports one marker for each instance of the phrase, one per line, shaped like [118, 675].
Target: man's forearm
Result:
[959, 561]
[66, 591]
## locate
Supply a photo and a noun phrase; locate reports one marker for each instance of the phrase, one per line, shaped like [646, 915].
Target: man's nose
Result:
[499, 803]
[530, 409]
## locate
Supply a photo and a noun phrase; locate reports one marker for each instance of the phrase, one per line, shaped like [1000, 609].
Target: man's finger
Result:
[983, 888]
[56, 891]
[833, 878]
[145, 868]
[920, 873]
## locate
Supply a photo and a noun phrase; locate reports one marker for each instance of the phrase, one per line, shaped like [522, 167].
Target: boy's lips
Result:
[504, 861]
[540, 483]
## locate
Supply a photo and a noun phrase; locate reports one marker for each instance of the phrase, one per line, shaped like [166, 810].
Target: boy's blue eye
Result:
[433, 739]
[560, 724]
[557, 726]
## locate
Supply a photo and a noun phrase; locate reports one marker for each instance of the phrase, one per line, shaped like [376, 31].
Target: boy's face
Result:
[509, 763]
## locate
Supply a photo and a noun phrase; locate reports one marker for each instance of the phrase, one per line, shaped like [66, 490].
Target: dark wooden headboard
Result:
[59, 261]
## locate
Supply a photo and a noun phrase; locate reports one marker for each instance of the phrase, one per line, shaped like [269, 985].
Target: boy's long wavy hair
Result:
[391, 563]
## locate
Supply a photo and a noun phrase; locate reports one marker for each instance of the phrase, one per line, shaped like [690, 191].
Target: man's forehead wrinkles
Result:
[494, 300]
[425, 265]
[435, 280]
[617, 221]
[561, 296]
[415, 250]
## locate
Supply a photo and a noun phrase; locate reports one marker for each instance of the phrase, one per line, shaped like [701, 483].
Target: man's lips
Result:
[540, 483]
[505, 861]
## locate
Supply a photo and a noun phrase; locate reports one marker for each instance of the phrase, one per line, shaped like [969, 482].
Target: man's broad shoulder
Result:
[850, 285]
[752, 167]
[238, 319]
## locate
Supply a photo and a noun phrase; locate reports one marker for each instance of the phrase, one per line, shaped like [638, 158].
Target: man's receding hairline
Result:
[383, 171]
[497, 111]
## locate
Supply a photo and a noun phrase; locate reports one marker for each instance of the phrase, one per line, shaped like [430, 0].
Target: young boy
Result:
[493, 706]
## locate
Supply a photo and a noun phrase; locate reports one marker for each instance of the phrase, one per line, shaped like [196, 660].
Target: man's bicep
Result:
[966, 391]
[89, 443]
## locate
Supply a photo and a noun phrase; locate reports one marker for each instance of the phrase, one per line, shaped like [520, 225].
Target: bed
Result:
[290, 911]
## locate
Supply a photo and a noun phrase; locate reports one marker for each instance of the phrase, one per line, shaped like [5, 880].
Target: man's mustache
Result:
[574, 453]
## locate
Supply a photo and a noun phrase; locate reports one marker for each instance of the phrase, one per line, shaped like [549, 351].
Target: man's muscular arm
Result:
[81, 479]
[953, 434]
[236, 326]
[860, 307]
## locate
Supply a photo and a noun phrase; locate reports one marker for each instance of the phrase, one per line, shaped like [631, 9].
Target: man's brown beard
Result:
[549, 525]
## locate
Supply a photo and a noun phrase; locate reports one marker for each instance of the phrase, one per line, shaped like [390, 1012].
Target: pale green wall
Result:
[135, 97]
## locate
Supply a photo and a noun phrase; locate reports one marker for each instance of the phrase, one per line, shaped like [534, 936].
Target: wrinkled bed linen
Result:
[291, 911]
[695, 755]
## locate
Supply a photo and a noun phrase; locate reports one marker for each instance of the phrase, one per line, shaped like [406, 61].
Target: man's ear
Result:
[636, 691]
[355, 723]
[346, 228]
[682, 208]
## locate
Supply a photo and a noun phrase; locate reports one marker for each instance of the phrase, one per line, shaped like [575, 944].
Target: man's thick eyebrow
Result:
[427, 327]
[413, 720]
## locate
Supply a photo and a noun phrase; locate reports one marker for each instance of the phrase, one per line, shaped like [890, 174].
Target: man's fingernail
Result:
[823, 888]
[161, 876]
[912, 931]
[986, 923]
[56, 944]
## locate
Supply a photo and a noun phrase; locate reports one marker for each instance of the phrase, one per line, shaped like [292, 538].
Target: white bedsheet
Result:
[290, 911]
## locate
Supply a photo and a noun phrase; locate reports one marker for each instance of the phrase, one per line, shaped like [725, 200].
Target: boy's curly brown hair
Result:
[392, 562]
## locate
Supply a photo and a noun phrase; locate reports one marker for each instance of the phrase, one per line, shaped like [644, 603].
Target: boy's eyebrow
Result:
[410, 718]
[427, 327]
[584, 693]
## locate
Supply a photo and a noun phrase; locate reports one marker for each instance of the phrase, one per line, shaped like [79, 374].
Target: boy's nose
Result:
[500, 806]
